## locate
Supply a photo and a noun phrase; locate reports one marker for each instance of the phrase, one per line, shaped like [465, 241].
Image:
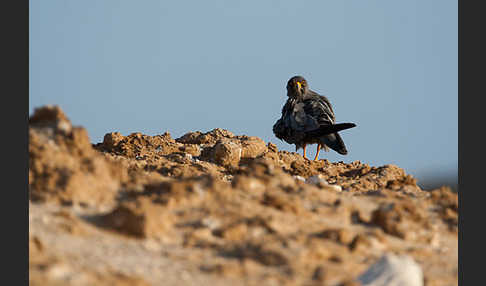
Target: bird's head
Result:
[297, 86]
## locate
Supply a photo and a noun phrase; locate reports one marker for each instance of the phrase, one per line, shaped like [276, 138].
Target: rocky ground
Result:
[217, 208]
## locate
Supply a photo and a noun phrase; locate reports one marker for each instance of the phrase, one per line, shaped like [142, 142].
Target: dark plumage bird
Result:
[308, 118]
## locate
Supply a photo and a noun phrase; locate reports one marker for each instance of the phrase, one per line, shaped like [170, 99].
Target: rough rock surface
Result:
[62, 164]
[215, 208]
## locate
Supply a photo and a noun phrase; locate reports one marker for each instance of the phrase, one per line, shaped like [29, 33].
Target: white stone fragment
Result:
[316, 180]
[393, 270]
[319, 181]
[300, 178]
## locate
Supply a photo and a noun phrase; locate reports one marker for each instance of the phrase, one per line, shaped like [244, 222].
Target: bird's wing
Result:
[282, 128]
[329, 106]
[307, 117]
[300, 118]
[294, 122]
[319, 109]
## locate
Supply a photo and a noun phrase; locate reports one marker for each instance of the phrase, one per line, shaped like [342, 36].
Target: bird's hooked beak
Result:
[299, 87]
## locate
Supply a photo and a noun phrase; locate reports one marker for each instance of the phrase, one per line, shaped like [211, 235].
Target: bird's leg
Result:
[317, 153]
[304, 151]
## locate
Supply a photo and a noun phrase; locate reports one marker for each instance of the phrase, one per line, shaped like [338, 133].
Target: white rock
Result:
[336, 188]
[393, 270]
[319, 181]
[300, 178]
[316, 180]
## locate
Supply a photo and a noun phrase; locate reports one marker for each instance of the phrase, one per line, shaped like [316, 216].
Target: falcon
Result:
[308, 118]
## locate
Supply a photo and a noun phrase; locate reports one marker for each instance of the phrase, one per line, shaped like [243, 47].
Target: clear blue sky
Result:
[154, 66]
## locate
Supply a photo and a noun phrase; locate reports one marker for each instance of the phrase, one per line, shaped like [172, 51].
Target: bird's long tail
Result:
[329, 129]
[335, 142]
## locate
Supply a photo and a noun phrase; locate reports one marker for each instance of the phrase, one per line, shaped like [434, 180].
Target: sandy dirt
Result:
[217, 208]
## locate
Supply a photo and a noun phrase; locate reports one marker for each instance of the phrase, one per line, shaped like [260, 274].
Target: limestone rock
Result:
[227, 153]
